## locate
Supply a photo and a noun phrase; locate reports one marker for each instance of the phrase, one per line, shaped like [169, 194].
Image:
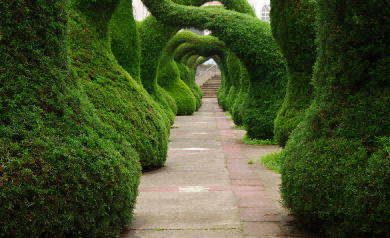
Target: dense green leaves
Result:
[251, 40]
[334, 170]
[63, 172]
[290, 19]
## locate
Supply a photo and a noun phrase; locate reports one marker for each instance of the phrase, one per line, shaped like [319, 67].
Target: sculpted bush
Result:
[290, 19]
[118, 99]
[335, 171]
[63, 172]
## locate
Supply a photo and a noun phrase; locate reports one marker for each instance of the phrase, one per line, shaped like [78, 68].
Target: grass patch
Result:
[228, 114]
[239, 127]
[272, 161]
[249, 141]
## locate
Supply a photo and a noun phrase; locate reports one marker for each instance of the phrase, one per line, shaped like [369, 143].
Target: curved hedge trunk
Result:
[118, 99]
[234, 70]
[237, 109]
[290, 19]
[63, 172]
[335, 171]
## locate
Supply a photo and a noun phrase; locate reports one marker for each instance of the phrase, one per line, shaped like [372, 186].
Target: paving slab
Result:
[202, 210]
[190, 177]
[230, 233]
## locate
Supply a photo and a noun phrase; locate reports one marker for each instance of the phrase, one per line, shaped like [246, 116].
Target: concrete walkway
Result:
[206, 189]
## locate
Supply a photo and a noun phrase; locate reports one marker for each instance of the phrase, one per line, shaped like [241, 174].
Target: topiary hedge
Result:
[168, 77]
[237, 109]
[63, 172]
[154, 36]
[118, 99]
[223, 90]
[191, 78]
[151, 34]
[125, 41]
[289, 19]
[233, 64]
[251, 40]
[185, 77]
[335, 171]
[204, 45]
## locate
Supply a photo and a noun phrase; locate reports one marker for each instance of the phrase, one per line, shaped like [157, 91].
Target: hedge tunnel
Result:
[263, 60]
[190, 43]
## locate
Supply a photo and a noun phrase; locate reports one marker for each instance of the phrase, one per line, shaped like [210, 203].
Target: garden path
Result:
[206, 188]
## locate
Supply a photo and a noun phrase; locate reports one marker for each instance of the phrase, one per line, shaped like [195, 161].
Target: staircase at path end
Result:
[210, 88]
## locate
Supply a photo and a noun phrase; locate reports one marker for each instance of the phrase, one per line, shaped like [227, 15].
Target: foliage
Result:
[335, 171]
[251, 40]
[233, 64]
[118, 99]
[63, 172]
[191, 43]
[272, 161]
[288, 20]
[154, 36]
[237, 109]
[151, 33]
[168, 77]
[249, 141]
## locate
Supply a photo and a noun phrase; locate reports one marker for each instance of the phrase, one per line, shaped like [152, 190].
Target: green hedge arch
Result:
[185, 76]
[204, 45]
[118, 99]
[288, 20]
[154, 36]
[252, 41]
[191, 78]
[60, 164]
[335, 171]
[168, 77]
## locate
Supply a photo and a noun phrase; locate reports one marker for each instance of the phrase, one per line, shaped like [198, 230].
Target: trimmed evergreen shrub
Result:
[185, 76]
[152, 42]
[252, 41]
[288, 20]
[233, 64]
[223, 90]
[168, 77]
[191, 78]
[118, 99]
[154, 36]
[63, 172]
[237, 109]
[125, 42]
[335, 171]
